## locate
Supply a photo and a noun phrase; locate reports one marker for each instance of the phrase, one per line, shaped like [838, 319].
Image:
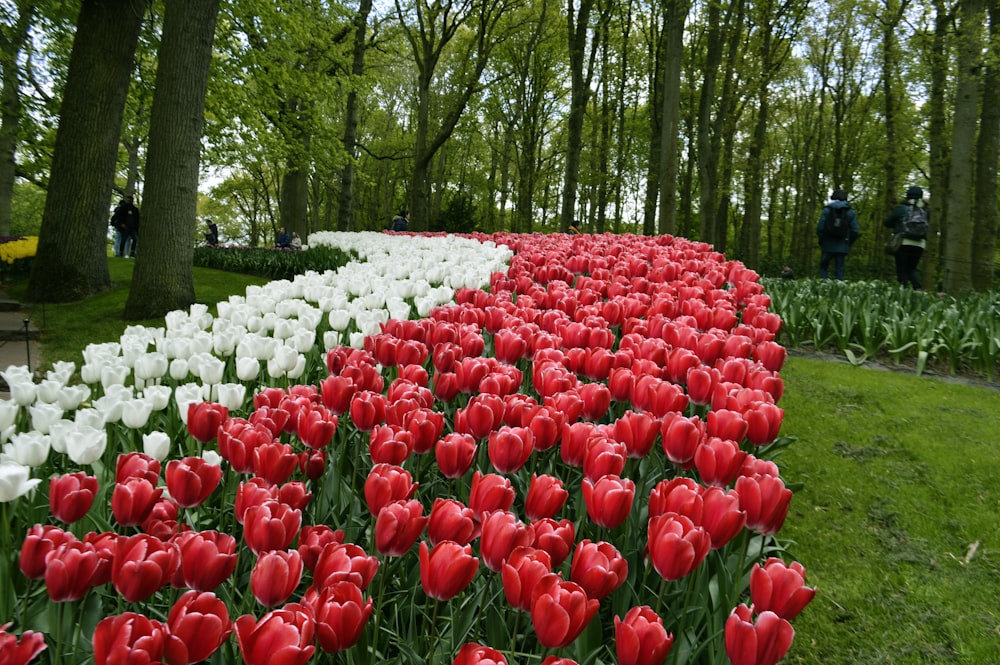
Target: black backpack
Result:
[915, 223]
[837, 226]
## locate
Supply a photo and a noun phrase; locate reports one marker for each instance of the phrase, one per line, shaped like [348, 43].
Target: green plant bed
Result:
[271, 263]
[896, 516]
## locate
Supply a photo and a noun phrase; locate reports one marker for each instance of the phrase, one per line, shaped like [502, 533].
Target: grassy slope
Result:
[899, 478]
[67, 328]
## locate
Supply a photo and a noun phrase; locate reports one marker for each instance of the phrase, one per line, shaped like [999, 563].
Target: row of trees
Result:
[729, 122]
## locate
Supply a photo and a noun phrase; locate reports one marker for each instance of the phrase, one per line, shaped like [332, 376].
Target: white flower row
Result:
[267, 333]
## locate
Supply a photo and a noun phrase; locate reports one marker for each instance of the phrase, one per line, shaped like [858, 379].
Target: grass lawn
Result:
[896, 515]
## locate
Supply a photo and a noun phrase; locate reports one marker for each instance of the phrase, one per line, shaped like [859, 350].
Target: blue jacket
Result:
[838, 245]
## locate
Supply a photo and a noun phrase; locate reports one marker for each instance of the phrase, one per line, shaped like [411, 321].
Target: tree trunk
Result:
[958, 225]
[940, 153]
[671, 109]
[578, 27]
[11, 44]
[345, 210]
[985, 214]
[708, 157]
[163, 279]
[72, 258]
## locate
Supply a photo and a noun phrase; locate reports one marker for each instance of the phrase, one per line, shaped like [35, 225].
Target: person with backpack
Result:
[911, 221]
[837, 230]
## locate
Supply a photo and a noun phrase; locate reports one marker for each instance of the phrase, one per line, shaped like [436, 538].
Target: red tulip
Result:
[681, 437]
[238, 439]
[207, 559]
[316, 426]
[39, 542]
[71, 496]
[204, 420]
[270, 526]
[509, 347]
[604, 457]
[771, 355]
[608, 500]
[446, 570]
[198, 624]
[638, 431]
[425, 426]
[161, 522]
[451, 520]
[137, 465]
[282, 636]
[510, 447]
[191, 480]
[780, 588]
[557, 660]
[763, 423]
[312, 464]
[344, 562]
[129, 638]
[546, 497]
[726, 424]
[641, 639]
[700, 384]
[367, 409]
[252, 493]
[71, 570]
[274, 462]
[336, 393]
[556, 538]
[521, 573]
[765, 500]
[20, 651]
[722, 517]
[763, 643]
[718, 461]
[621, 382]
[385, 484]
[275, 576]
[681, 495]
[490, 492]
[502, 532]
[341, 614]
[446, 386]
[105, 544]
[596, 400]
[295, 494]
[478, 418]
[546, 425]
[599, 568]
[477, 654]
[313, 540]
[574, 442]
[142, 565]
[454, 454]
[398, 526]
[133, 500]
[275, 420]
[268, 397]
[676, 546]
[390, 444]
[560, 610]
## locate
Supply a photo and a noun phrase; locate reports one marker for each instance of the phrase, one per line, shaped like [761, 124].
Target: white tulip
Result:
[110, 407]
[114, 373]
[87, 445]
[58, 433]
[156, 445]
[27, 448]
[23, 392]
[158, 396]
[89, 418]
[8, 413]
[152, 365]
[339, 319]
[247, 369]
[331, 340]
[62, 371]
[178, 369]
[229, 395]
[136, 412]
[72, 396]
[43, 415]
[14, 481]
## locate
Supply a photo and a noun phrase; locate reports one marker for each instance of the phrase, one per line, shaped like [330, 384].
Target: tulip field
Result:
[523, 449]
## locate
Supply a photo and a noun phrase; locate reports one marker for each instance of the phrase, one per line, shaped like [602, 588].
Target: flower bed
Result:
[430, 455]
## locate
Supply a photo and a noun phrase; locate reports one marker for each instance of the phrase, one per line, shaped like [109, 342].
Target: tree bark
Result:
[163, 279]
[677, 11]
[72, 258]
[11, 44]
[940, 152]
[578, 27]
[985, 215]
[958, 225]
[345, 210]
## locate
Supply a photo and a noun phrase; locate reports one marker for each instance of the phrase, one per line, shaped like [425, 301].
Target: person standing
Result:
[212, 236]
[126, 220]
[910, 219]
[837, 230]
[401, 222]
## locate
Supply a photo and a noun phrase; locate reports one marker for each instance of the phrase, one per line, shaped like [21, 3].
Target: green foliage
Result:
[27, 207]
[882, 320]
[458, 216]
[271, 263]
[896, 517]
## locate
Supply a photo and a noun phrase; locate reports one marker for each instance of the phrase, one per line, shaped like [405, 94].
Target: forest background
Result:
[728, 122]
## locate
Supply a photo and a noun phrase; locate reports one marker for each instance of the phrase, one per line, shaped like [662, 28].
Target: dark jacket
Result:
[838, 245]
[399, 223]
[283, 240]
[895, 220]
[126, 217]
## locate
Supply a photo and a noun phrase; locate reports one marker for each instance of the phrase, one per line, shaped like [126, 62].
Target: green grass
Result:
[896, 478]
[67, 328]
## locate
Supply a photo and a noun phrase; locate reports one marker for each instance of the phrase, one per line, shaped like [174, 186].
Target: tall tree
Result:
[577, 30]
[345, 210]
[958, 225]
[673, 28]
[13, 38]
[163, 279]
[71, 262]
[985, 213]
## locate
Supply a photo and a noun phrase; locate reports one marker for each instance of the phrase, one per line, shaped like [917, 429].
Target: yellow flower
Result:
[24, 247]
